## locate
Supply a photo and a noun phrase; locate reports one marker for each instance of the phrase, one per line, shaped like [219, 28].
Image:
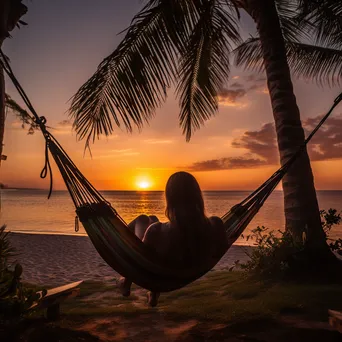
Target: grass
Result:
[225, 306]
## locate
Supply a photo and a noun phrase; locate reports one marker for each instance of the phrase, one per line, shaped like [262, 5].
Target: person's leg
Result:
[152, 297]
[138, 226]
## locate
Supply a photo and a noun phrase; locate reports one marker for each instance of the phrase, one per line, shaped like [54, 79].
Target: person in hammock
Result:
[189, 238]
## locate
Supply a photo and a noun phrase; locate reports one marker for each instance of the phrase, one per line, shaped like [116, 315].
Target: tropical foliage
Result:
[277, 253]
[25, 118]
[15, 298]
[315, 52]
[183, 43]
[188, 44]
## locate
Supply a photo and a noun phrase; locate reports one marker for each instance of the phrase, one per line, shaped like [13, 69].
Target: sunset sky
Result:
[61, 48]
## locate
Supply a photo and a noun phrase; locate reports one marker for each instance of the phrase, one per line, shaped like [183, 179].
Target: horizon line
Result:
[146, 190]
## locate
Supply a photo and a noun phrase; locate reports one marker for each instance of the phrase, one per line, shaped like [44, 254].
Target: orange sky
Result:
[53, 60]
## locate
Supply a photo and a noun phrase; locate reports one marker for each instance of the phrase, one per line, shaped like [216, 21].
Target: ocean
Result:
[29, 211]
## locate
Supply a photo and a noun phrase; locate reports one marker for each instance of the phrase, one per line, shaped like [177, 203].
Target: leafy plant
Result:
[15, 298]
[273, 254]
[6, 250]
[278, 253]
[331, 218]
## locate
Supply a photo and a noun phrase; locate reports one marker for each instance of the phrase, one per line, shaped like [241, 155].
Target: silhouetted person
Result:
[189, 238]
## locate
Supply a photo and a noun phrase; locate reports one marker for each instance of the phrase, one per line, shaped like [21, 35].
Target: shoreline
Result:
[53, 260]
[81, 234]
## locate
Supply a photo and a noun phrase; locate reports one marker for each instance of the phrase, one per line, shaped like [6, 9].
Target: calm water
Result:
[30, 210]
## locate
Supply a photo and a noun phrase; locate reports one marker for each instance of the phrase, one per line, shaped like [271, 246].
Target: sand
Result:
[59, 259]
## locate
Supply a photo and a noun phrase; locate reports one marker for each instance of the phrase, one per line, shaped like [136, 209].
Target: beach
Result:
[59, 259]
[222, 306]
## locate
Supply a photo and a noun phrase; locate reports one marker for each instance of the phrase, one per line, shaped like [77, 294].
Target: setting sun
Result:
[144, 185]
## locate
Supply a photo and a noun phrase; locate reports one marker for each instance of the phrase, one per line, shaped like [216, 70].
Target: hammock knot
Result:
[47, 166]
[40, 121]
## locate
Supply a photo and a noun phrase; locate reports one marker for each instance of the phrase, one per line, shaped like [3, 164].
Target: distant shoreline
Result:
[106, 190]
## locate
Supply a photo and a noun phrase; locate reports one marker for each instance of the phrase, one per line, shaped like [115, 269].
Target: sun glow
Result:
[144, 185]
[143, 182]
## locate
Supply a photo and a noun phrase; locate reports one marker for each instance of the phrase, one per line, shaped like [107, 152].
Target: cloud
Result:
[261, 146]
[255, 78]
[63, 128]
[117, 153]
[124, 152]
[16, 125]
[65, 123]
[231, 98]
[256, 83]
[158, 141]
[327, 143]
[236, 85]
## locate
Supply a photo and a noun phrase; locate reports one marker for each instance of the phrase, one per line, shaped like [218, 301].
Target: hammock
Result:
[108, 232]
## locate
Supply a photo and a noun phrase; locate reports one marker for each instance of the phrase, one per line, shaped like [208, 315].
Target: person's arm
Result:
[151, 237]
[220, 236]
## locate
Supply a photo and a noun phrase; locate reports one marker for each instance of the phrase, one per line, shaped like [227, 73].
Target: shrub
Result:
[15, 298]
[278, 254]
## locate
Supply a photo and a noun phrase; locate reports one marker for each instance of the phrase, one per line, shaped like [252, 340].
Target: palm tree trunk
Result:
[301, 206]
[4, 13]
[10, 13]
[2, 109]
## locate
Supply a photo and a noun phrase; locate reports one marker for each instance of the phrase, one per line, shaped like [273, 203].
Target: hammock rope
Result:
[107, 230]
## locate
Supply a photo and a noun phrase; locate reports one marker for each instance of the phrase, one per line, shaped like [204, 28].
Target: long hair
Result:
[185, 210]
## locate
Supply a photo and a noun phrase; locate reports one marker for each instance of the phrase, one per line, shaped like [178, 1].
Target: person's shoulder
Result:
[216, 221]
[154, 228]
[219, 236]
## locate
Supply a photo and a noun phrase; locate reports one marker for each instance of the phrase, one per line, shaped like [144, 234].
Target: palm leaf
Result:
[131, 82]
[249, 55]
[205, 64]
[21, 114]
[325, 17]
[321, 64]
[292, 28]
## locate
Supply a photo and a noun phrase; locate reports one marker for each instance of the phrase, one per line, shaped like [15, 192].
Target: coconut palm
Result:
[188, 43]
[320, 57]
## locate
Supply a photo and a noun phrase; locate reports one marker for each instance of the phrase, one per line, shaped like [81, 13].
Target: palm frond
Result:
[21, 114]
[318, 63]
[205, 64]
[249, 55]
[131, 82]
[292, 28]
[325, 17]
[321, 64]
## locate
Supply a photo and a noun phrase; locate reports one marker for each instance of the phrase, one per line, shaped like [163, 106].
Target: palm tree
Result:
[188, 43]
[320, 58]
